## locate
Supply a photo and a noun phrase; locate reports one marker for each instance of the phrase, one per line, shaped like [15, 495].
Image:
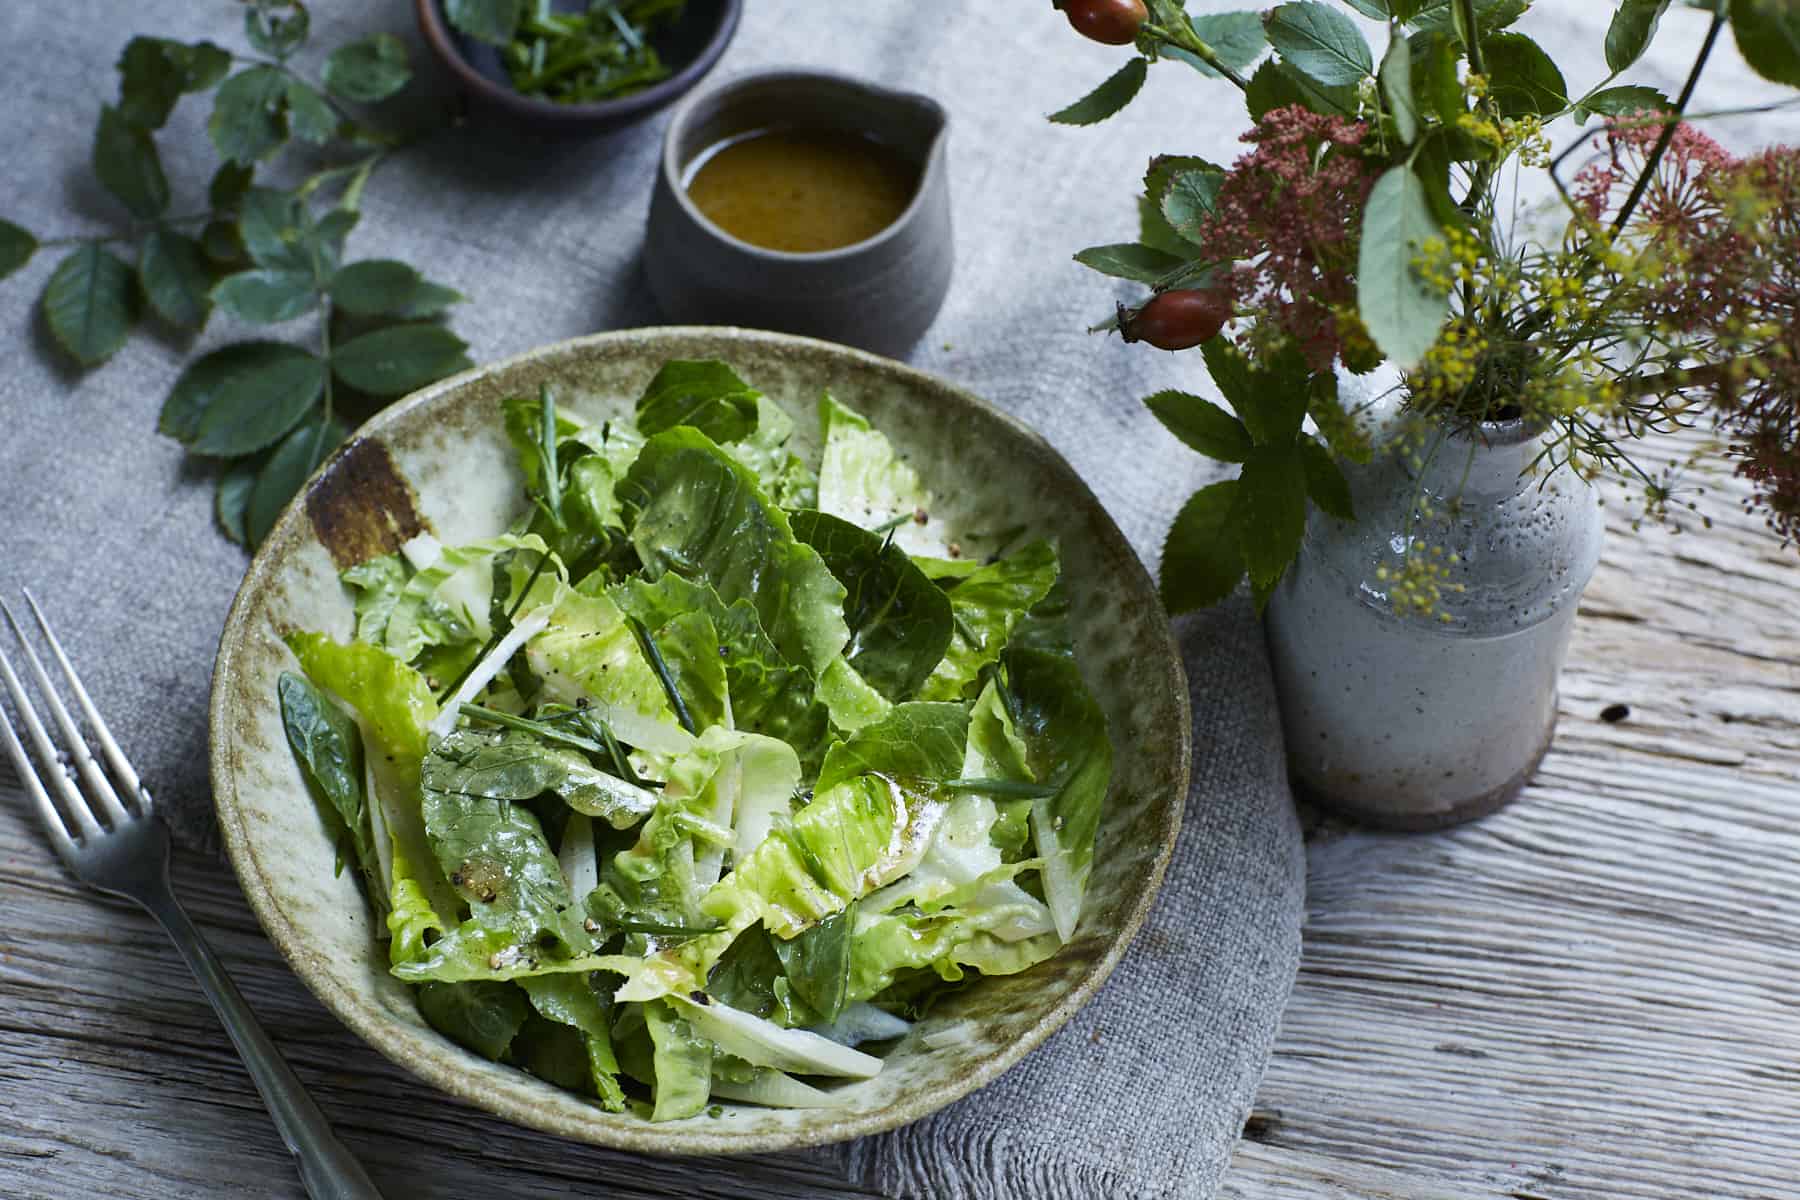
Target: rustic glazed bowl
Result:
[439, 460]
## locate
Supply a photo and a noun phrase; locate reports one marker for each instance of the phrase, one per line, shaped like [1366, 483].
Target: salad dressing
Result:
[802, 190]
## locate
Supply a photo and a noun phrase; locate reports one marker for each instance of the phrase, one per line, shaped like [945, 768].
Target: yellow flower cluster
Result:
[1417, 587]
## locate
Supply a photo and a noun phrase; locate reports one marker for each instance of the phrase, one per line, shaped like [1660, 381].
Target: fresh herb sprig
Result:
[269, 411]
[571, 57]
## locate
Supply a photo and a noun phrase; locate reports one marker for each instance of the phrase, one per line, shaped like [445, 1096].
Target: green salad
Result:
[717, 768]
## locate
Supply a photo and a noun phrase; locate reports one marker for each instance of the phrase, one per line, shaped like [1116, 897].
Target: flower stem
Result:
[1669, 123]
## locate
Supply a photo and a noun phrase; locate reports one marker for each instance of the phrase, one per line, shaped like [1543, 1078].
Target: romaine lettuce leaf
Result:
[329, 748]
[706, 395]
[985, 606]
[916, 743]
[483, 1015]
[774, 1089]
[449, 600]
[590, 656]
[899, 621]
[863, 480]
[377, 584]
[570, 1000]
[785, 476]
[1067, 747]
[769, 694]
[394, 707]
[511, 765]
[766, 1044]
[848, 697]
[698, 513]
[682, 1063]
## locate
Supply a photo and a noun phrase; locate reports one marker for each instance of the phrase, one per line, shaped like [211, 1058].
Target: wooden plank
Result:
[1593, 993]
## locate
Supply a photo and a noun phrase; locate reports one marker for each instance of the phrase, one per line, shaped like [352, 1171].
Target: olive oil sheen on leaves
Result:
[802, 190]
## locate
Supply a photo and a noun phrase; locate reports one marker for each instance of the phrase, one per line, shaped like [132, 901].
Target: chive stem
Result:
[647, 644]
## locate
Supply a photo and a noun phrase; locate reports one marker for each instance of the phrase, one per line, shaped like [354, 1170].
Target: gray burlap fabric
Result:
[1144, 1093]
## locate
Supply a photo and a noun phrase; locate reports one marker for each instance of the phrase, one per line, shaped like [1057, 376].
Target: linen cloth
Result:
[1143, 1093]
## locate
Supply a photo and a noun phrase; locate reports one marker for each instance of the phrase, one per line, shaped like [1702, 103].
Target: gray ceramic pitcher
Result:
[879, 294]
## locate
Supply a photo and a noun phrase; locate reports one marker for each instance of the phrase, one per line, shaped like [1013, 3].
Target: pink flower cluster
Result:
[1287, 215]
[1717, 244]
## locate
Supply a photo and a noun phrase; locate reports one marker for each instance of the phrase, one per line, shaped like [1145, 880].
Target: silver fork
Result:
[123, 849]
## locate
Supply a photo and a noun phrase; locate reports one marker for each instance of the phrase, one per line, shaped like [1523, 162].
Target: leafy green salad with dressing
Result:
[716, 767]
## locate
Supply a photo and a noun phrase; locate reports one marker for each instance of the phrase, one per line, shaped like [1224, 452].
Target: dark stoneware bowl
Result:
[691, 46]
[879, 294]
[439, 460]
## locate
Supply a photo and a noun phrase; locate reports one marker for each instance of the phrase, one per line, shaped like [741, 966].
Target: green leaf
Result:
[368, 70]
[150, 82]
[172, 269]
[1402, 311]
[1768, 36]
[247, 120]
[293, 462]
[986, 606]
[1624, 101]
[1325, 482]
[126, 162]
[1201, 559]
[817, 963]
[273, 225]
[16, 247]
[1444, 15]
[1396, 89]
[324, 241]
[490, 21]
[1188, 198]
[397, 360]
[1271, 511]
[231, 500]
[1270, 396]
[229, 183]
[1375, 10]
[484, 1015]
[203, 64]
[273, 34]
[866, 481]
[310, 116]
[1436, 88]
[328, 747]
[1629, 34]
[1108, 98]
[1522, 79]
[707, 395]
[90, 303]
[382, 287]
[1235, 37]
[699, 513]
[1201, 424]
[899, 620]
[242, 397]
[1319, 41]
[1129, 260]
[1277, 85]
[265, 297]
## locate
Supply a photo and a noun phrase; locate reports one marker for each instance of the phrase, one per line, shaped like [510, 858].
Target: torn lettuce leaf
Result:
[985, 606]
[377, 585]
[899, 621]
[864, 480]
[590, 657]
[786, 478]
[571, 1000]
[698, 513]
[705, 395]
[393, 707]
[329, 749]
[682, 1063]
[483, 1015]
[449, 601]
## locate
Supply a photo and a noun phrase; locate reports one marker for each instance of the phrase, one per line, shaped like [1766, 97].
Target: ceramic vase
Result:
[1409, 718]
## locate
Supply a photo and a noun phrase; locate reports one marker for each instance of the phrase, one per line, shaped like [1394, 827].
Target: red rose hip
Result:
[1114, 22]
[1179, 320]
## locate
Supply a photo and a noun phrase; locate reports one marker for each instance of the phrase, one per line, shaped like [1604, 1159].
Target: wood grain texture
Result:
[1593, 993]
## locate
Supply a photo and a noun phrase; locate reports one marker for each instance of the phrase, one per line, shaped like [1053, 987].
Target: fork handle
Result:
[327, 1168]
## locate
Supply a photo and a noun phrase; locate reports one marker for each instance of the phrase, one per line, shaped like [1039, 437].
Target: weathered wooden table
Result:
[1593, 993]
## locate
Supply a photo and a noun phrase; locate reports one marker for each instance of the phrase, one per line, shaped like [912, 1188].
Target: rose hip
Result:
[1114, 22]
[1178, 320]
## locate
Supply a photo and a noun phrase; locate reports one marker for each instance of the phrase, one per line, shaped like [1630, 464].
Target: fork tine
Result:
[115, 757]
[73, 804]
[53, 821]
[98, 786]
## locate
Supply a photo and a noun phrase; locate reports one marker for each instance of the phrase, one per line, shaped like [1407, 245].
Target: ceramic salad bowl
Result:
[439, 461]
